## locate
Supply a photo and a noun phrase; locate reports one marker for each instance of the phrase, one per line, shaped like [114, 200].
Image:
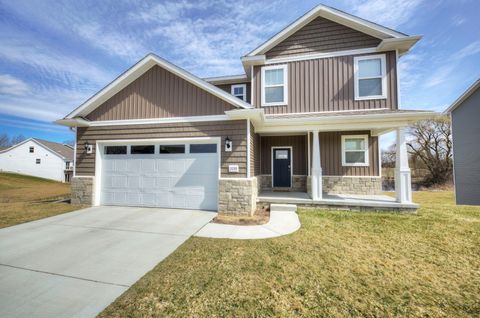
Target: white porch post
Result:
[316, 168]
[403, 181]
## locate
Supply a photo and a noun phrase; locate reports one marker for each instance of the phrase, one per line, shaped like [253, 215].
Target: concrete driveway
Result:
[76, 264]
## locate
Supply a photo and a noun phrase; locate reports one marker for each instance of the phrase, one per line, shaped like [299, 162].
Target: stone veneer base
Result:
[299, 183]
[352, 185]
[237, 196]
[82, 190]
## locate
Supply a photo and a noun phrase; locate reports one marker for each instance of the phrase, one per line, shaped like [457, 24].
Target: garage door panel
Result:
[161, 180]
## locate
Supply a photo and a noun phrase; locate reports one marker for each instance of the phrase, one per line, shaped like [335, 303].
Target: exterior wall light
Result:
[228, 145]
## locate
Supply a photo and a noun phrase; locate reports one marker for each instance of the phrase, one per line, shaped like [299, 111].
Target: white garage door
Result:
[155, 175]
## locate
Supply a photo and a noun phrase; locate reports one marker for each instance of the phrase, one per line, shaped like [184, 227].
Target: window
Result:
[172, 149]
[116, 150]
[281, 154]
[137, 150]
[67, 165]
[203, 148]
[274, 85]
[355, 150]
[240, 91]
[370, 79]
[37, 161]
[31, 149]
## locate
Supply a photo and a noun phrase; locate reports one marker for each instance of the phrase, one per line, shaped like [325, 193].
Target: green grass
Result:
[25, 198]
[339, 264]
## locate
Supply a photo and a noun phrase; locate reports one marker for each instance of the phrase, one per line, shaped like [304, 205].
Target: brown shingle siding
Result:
[235, 130]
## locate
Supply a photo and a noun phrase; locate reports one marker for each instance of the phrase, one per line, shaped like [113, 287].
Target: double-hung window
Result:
[370, 77]
[274, 85]
[240, 91]
[355, 150]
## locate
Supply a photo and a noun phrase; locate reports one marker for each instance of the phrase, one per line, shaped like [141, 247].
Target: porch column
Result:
[403, 181]
[316, 168]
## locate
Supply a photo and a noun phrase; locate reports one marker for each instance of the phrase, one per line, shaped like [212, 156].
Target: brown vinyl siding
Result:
[299, 152]
[254, 152]
[331, 155]
[159, 94]
[322, 36]
[235, 130]
[228, 88]
[327, 84]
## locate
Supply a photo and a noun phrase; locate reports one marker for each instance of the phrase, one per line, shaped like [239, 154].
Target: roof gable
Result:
[60, 150]
[469, 92]
[138, 70]
[334, 15]
[322, 36]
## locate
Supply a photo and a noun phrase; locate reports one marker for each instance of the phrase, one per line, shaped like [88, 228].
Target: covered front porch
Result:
[331, 162]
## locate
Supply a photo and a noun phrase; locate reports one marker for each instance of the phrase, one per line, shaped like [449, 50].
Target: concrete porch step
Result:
[283, 207]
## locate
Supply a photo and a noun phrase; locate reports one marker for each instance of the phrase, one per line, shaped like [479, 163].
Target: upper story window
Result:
[240, 91]
[31, 149]
[370, 77]
[355, 150]
[37, 161]
[274, 85]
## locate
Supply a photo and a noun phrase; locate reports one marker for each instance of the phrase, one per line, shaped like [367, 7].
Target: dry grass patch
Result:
[339, 264]
[26, 198]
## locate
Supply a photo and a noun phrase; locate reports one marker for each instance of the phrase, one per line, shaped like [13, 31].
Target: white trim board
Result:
[383, 76]
[284, 68]
[366, 163]
[139, 69]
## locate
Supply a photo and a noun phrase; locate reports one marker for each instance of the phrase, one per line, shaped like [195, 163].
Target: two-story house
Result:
[304, 120]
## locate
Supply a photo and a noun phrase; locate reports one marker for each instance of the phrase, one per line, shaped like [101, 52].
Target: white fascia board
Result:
[140, 68]
[256, 115]
[233, 79]
[401, 44]
[472, 89]
[333, 15]
[73, 122]
[146, 121]
[305, 57]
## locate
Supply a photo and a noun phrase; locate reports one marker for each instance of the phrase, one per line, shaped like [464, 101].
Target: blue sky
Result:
[56, 54]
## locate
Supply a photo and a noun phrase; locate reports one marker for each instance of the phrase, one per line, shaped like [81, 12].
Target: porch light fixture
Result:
[88, 148]
[228, 145]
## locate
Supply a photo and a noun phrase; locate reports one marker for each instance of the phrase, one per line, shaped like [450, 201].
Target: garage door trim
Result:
[99, 154]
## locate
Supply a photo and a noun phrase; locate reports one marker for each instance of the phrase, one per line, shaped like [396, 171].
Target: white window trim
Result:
[382, 58]
[356, 164]
[285, 84]
[244, 86]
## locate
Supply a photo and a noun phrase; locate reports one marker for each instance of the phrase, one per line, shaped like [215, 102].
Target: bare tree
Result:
[4, 140]
[431, 144]
[17, 139]
[388, 157]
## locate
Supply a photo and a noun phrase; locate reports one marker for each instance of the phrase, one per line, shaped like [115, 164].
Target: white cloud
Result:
[471, 49]
[458, 20]
[386, 12]
[10, 85]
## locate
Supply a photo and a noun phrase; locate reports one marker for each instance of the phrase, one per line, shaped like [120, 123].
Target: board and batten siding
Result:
[331, 155]
[299, 152]
[159, 93]
[327, 84]
[254, 152]
[466, 152]
[228, 88]
[321, 36]
[235, 130]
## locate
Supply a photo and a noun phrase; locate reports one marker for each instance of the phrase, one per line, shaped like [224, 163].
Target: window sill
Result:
[355, 164]
[274, 104]
[370, 98]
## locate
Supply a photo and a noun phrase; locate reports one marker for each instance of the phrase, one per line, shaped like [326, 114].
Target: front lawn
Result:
[339, 264]
[25, 198]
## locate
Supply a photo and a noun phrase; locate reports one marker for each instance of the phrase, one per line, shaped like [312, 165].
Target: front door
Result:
[282, 166]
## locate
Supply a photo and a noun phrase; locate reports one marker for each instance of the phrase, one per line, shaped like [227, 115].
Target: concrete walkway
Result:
[76, 264]
[280, 223]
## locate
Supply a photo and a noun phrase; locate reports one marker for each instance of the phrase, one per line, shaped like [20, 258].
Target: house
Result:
[465, 116]
[301, 125]
[39, 158]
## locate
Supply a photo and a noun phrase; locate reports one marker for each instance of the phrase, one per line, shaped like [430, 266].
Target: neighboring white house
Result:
[39, 158]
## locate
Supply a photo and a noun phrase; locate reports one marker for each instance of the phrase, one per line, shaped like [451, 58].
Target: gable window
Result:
[240, 91]
[370, 77]
[37, 161]
[31, 149]
[355, 150]
[274, 85]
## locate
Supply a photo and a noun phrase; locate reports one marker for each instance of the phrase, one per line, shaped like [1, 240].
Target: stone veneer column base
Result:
[352, 185]
[82, 190]
[237, 196]
[299, 183]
